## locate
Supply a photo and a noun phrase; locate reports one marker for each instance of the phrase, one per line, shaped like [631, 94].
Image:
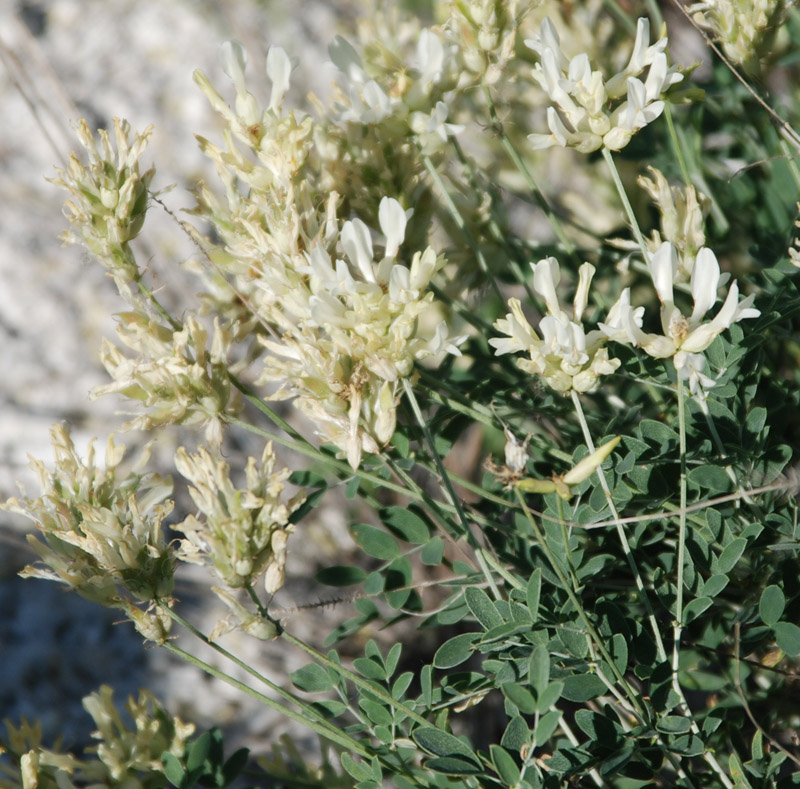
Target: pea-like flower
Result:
[103, 535]
[566, 356]
[353, 328]
[242, 532]
[683, 335]
[588, 111]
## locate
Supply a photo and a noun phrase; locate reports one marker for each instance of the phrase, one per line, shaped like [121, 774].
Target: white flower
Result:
[565, 356]
[581, 117]
[683, 335]
[279, 69]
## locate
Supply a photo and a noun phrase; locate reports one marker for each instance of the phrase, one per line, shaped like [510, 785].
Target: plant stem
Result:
[523, 170]
[461, 224]
[326, 730]
[555, 565]
[626, 204]
[448, 488]
[623, 538]
[677, 148]
[681, 561]
[681, 558]
[367, 686]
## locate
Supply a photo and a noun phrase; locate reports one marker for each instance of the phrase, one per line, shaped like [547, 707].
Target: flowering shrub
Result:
[613, 578]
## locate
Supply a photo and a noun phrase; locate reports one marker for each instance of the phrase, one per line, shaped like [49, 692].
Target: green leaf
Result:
[426, 684]
[539, 669]
[658, 434]
[432, 552]
[757, 747]
[234, 765]
[441, 743]
[393, 658]
[547, 724]
[369, 668]
[550, 695]
[533, 593]
[597, 727]
[374, 542]
[312, 678]
[714, 585]
[351, 489]
[771, 605]
[398, 580]
[520, 697]
[674, 724]
[376, 712]
[619, 652]
[696, 607]
[401, 685]
[453, 765]
[198, 751]
[787, 636]
[407, 523]
[711, 478]
[755, 421]
[582, 687]
[730, 555]
[483, 609]
[456, 650]
[505, 765]
[340, 575]
[173, 769]
[312, 500]
[357, 770]
[517, 735]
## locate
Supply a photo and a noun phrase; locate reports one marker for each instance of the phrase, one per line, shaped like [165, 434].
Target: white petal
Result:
[233, 59]
[705, 281]
[279, 69]
[392, 220]
[346, 59]
[357, 245]
[585, 274]
[663, 266]
[546, 276]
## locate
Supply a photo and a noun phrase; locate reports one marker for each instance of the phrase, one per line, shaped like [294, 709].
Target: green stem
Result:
[626, 204]
[623, 538]
[341, 466]
[523, 170]
[599, 643]
[678, 625]
[367, 686]
[461, 224]
[448, 488]
[677, 148]
[326, 730]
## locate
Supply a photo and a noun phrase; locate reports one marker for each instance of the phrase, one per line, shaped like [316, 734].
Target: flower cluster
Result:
[354, 330]
[486, 32]
[384, 87]
[682, 212]
[566, 356]
[684, 337]
[242, 532]
[589, 111]
[176, 378]
[745, 28]
[129, 757]
[109, 197]
[103, 536]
